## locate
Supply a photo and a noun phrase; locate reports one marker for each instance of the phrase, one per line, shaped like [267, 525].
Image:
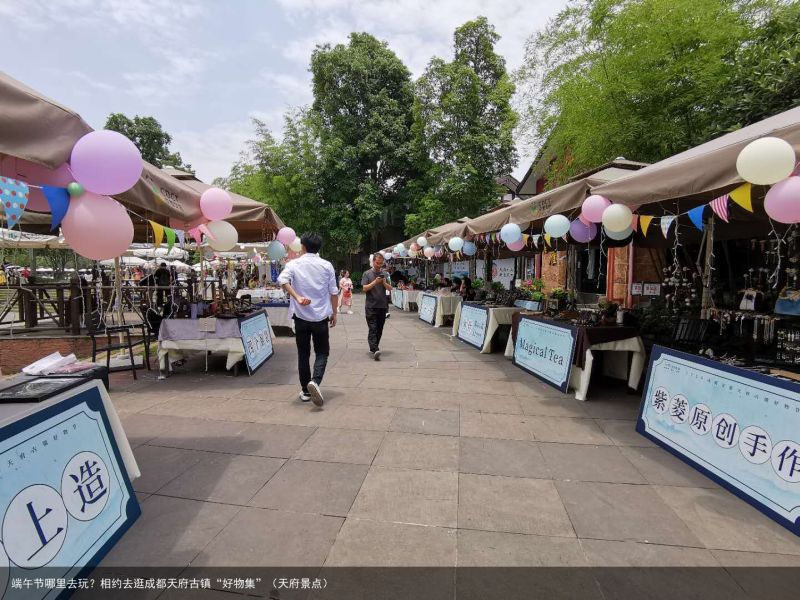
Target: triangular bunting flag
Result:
[741, 195]
[181, 235]
[666, 223]
[644, 223]
[720, 207]
[195, 233]
[58, 199]
[536, 239]
[635, 222]
[525, 238]
[547, 238]
[14, 197]
[696, 215]
[170, 233]
[158, 233]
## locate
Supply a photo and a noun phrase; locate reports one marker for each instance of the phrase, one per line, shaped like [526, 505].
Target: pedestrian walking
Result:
[310, 282]
[375, 283]
[346, 287]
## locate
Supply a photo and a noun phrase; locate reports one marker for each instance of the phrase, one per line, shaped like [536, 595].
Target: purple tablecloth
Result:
[189, 329]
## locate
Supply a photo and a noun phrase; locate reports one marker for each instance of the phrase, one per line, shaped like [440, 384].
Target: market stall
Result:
[476, 323]
[435, 308]
[542, 338]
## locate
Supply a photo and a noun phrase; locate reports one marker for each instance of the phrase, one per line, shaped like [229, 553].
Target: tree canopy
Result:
[646, 79]
[150, 138]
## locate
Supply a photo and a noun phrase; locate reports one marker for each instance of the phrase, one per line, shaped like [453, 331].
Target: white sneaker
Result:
[316, 393]
[376, 355]
[303, 397]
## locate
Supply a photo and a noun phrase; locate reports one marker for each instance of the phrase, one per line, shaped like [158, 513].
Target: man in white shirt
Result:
[311, 284]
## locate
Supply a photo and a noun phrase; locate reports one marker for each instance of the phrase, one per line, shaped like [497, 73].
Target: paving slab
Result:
[417, 451]
[511, 458]
[417, 420]
[341, 445]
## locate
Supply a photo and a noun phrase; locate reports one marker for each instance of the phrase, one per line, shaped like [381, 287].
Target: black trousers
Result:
[376, 317]
[305, 332]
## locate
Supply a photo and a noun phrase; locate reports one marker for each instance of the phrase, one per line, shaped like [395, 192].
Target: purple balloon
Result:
[106, 162]
[581, 232]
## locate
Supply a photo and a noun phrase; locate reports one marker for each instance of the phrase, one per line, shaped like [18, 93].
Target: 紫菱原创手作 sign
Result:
[473, 324]
[736, 426]
[256, 338]
[427, 308]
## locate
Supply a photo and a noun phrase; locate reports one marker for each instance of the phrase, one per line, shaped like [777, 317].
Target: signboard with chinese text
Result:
[636, 289]
[651, 289]
[459, 268]
[740, 428]
[427, 308]
[65, 496]
[473, 324]
[503, 271]
[257, 339]
[546, 351]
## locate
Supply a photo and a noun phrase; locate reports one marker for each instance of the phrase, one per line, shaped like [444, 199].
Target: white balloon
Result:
[422, 241]
[617, 217]
[455, 244]
[510, 233]
[556, 226]
[225, 234]
[429, 252]
[766, 161]
[296, 246]
[619, 235]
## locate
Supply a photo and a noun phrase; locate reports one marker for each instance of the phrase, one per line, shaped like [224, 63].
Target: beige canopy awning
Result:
[701, 173]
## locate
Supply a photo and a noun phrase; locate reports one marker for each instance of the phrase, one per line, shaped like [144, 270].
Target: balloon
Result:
[583, 219]
[469, 249]
[106, 162]
[617, 217]
[75, 189]
[404, 252]
[275, 250]
[399, 248]
[429, 252]
[510, 233]
[286, 236]
[581, 232]
[556, 226]
[593, 207]
[517, 246]
[455, 244]
[216, 204]
[414, 247]
[782, 202]
[97, 227]
[766, 161]
[619, 235]
[226, 234]
[31, 173]
[421, 241]
[296, 245]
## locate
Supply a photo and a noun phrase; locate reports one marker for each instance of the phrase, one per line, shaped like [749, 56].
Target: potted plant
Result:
[559, 295]
[531, 292]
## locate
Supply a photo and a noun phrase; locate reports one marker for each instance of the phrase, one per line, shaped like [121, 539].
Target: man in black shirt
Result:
[163, 279]
[375, 283]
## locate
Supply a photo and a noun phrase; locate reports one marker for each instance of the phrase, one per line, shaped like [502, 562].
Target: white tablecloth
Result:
[500, 315]
[410, 297]
[262, 294]
[615, 363]
[279, 316]
[445, 306]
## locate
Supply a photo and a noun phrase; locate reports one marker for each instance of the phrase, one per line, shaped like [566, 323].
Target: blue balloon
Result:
[469, 249]
[276, 251]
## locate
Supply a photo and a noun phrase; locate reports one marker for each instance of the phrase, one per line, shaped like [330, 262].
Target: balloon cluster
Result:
[771, 161]
[102, 163]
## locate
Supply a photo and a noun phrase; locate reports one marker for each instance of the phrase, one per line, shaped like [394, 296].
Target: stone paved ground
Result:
[435, 456]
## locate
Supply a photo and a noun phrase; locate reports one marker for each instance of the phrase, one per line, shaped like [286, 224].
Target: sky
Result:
[205, 68]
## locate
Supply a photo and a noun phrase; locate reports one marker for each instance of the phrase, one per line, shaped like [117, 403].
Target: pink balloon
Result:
[593, 207]
[429, 252]
[584, 220]
[414, 247]
[31, 173]
[286, 235]
[517, 246]
[97, 227]
[106, 162]
[581, 232]
[216, 204]
[782, 202]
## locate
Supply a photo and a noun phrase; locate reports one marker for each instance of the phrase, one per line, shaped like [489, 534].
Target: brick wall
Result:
[16, 353]
[554, 276]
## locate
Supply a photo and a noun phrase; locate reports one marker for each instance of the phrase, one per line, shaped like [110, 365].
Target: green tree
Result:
[150, 138]
[638, 78]
[362, 114]
[463, 126]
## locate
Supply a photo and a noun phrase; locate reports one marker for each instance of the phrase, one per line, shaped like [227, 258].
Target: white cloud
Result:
[213, 150]
[295, 90]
